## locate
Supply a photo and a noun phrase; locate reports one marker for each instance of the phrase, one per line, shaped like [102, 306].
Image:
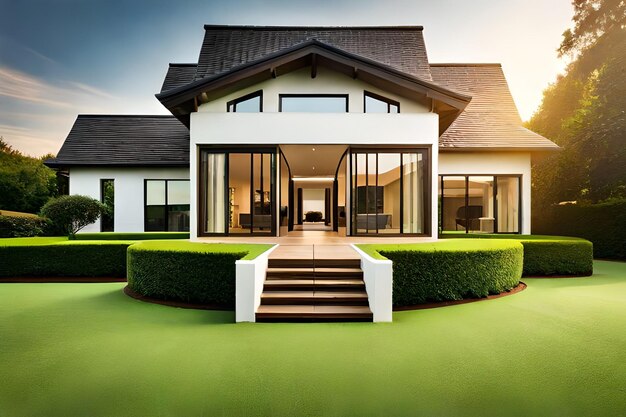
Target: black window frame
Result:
[281, 96]
[426, 152]
[378, 97]
[495, 200]
[273, 150]
[165, 206]
[241, 99]
[102, 182]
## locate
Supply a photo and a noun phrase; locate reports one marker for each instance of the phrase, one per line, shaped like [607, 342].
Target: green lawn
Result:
[556, 349]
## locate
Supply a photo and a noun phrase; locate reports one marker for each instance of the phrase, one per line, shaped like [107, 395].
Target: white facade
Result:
[129, 191]
[492, 163]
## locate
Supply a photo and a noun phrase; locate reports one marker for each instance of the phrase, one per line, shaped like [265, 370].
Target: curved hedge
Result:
[183, 271]
[132, 236]
[450, 270]
[548, 255]
[58, 257]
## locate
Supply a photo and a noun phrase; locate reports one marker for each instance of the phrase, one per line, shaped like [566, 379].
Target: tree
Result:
[592, 19]
[584, 112]
[25, 182]
[71, 213]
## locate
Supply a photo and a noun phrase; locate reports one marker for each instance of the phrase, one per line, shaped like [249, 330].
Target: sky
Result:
[61, 58]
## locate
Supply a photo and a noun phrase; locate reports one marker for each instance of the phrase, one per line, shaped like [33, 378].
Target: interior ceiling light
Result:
[313, 149]
[313, 179]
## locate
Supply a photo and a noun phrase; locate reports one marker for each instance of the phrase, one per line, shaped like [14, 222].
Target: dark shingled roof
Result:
[124, 141]
[491, 120]
[178, 75]
[226, 47]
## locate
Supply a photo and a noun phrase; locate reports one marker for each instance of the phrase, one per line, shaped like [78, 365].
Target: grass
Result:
[557, 348]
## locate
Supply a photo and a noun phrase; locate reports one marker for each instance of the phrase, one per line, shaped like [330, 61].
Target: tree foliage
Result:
[72, 212]
[25, 182]
[584, 112]
[592, 19]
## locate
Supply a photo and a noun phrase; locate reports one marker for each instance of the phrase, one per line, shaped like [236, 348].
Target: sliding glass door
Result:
[237, 192]
[389, 191]
[480, 203]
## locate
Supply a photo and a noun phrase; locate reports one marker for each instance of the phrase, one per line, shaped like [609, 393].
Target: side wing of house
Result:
[485, 155]
[139, 162]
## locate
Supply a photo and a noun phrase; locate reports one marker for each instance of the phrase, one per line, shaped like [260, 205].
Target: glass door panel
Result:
[388, 216]
[479, 212]
[239, 174]
[412, 193]
[214, 176]
[507, 200]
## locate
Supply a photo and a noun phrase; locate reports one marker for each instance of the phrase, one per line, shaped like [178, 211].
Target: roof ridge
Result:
[465, 64]
[291, 27]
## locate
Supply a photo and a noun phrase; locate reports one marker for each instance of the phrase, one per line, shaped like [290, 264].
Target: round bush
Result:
[185, 271]
[452, 269]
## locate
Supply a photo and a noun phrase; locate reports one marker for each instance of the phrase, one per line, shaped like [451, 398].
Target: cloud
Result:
[37, 114]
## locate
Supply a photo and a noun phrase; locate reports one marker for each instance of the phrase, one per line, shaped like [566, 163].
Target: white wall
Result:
[490, 163]
[415, 125]
[326, 82]
[314, 200]
[129, 191]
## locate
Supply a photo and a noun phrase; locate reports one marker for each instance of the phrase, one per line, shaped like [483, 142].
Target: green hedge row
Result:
[450, 270]
[55, 257]
[189, 272]
[548, 255]
[22, 226]
[604, 224]
[132, 236]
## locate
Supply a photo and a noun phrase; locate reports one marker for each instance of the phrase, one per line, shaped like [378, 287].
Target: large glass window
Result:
[479, 204]
[237, 192]
[250, 103]
[313, 103]
[375, 103]
[389, 195]
[166, 206]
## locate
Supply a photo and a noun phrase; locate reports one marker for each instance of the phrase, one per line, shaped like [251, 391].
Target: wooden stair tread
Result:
[320, 311]
[315, 294]
[314, 282]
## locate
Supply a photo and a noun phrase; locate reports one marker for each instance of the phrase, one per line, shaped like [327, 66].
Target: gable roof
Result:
[124, 140]
[178, 75]
[181, 101]
[491, 120]
[226, 47]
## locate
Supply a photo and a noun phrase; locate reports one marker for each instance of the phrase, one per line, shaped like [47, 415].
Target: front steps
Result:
[312, 290]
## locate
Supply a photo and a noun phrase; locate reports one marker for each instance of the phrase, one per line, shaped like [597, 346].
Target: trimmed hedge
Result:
[190, 272]
[604, 224]
[22, 226]
[54, 257]
[548, 255]
[450, 270]
[132, 236]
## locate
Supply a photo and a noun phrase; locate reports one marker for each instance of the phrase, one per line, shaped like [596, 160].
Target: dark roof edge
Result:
[499, 149]
[53, 163]
[183, 64]
[471, 64]
[145, 116]
[254, 27]
[312, 43]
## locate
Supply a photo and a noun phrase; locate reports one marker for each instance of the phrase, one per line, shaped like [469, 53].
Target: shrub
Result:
[132, 236]
[549, 255]
[72, 212]
[604, 224]
[21, 226]
[184, 271]
[55, 257]
[451, 270]
[313, 216]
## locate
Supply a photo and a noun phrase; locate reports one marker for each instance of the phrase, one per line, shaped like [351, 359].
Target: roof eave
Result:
[180, 95]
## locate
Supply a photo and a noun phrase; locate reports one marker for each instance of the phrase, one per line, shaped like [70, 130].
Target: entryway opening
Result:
[313, 190]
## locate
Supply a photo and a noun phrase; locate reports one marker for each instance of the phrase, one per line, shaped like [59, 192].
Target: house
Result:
[274, 122]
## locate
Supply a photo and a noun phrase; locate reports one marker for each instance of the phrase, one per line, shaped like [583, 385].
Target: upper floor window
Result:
[250, 103]
[313, 103]
[379, 104]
